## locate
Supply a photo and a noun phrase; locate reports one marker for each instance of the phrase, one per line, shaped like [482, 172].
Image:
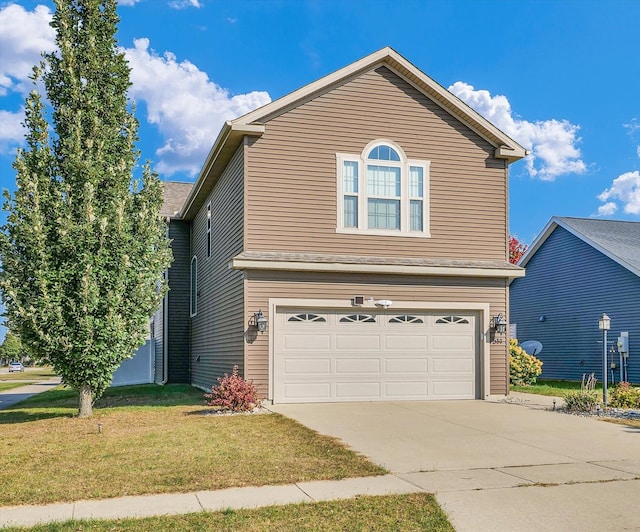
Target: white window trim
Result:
[405, 199]
[193, 287]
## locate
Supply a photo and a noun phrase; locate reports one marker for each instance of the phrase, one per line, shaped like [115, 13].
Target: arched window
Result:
[383, 192]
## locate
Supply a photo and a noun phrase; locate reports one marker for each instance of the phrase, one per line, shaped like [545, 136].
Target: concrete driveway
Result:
[497, 466]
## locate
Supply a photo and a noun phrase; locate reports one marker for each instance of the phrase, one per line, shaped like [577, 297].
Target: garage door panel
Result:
[406, 390]
[452, 365]
[452, 389]
[307, 366]
[406, 342]
[309, 341]
[307, 391]
[406, 365]
[452, 342]
[357, 365]
[357, 342]
[373, 356]
[358, 391]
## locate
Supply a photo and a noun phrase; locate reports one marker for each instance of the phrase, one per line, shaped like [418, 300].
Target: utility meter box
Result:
[623, 343]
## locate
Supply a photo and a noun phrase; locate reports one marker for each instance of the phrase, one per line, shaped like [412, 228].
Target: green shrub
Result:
[523, 367]
[625, 396]
[585, 399]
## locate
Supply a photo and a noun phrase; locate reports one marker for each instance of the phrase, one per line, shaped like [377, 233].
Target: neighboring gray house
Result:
[576, 270]
[172, 366]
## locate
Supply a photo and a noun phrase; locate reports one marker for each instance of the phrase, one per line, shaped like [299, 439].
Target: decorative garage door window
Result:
[405, 318]
[306, 318]
[358, 318]
[450, 320]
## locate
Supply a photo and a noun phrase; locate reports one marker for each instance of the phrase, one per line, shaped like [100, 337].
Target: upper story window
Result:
[380, 191]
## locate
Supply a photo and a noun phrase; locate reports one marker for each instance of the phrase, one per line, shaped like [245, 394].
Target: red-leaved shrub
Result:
[233, 393]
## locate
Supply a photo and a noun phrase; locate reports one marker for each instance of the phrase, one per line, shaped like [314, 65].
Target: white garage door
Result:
[362, 355]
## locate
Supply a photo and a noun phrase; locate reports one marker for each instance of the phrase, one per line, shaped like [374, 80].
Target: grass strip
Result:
[417, 511]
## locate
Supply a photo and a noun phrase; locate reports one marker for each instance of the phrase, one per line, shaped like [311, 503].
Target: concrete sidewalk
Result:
[15, 395]
[183, 503]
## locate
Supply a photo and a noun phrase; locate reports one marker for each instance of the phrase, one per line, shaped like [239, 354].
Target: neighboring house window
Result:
[209, 229]
[194, 286]
[380, 191]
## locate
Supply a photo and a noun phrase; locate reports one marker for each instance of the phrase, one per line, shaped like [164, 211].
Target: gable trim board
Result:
[379, 371]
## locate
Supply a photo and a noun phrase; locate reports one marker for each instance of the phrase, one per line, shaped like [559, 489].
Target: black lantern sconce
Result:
[259, 321]
[500, 324]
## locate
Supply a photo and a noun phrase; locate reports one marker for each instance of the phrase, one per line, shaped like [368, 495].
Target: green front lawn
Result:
[31, 374]
[552, 388]
[155, 439]
[6, 386]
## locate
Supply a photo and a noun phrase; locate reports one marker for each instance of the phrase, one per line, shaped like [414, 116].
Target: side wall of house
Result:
[292, 205]
[217, 330]
[178, 303]
[262, 285]
[568, 286]
[158, 343]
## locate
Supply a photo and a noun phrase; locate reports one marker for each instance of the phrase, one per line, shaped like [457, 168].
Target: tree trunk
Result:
[86, 401]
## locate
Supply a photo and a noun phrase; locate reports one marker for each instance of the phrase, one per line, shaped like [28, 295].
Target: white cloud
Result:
[128, 2]
[187, 107]
[625, 189]
[182, 4]
[552, 143]
[607, 209]
[25, 34]
[11, 129]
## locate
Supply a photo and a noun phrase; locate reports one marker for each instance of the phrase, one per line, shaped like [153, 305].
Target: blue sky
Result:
[561, 77]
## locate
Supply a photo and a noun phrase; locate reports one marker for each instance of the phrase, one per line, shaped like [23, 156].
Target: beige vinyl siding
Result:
[217, 331]
[291, 204]
[262, 285]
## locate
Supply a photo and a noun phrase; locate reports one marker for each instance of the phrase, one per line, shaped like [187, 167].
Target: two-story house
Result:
[347, 242]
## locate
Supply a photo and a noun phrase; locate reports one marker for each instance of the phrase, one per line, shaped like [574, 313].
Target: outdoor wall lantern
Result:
[604, 324]
[500, 324]
[259, 321]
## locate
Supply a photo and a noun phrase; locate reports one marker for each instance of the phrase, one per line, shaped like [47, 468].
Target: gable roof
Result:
[174, 195]
[618, 240]
[253, 123]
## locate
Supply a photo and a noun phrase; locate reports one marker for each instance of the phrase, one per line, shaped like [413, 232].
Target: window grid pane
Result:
[416, 215]
[383, 181]
[416, 182]
[350, 177]
[384, 153]
[350, 211]
[384, 214]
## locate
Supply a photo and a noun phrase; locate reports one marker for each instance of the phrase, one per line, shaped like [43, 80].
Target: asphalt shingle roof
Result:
[174, 195]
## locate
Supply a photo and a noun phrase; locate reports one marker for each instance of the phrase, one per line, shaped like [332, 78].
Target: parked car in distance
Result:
[15, 366]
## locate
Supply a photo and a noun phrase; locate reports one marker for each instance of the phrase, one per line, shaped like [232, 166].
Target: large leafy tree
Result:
[11, 349]
[84, 247]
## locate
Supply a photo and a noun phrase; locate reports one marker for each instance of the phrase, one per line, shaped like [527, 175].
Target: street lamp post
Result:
[604, 324]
